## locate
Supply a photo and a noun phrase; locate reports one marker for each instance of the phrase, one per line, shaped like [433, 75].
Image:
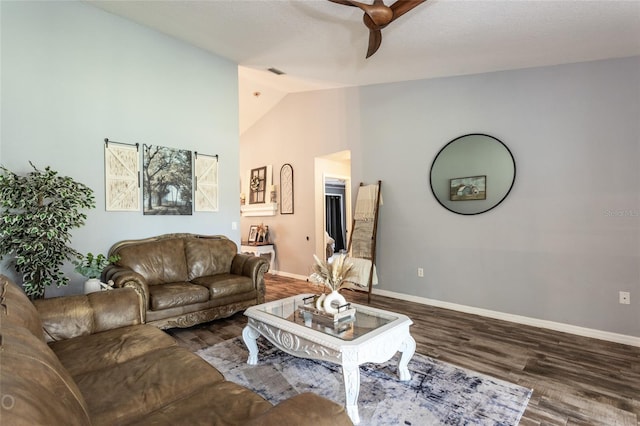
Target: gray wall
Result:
[73, 75]
[565, 240]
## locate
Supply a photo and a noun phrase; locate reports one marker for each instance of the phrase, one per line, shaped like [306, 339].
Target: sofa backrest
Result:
[158, 261]
[35, 387]
[72, 316]
[209, 255]
[17, 309]
[176, 257]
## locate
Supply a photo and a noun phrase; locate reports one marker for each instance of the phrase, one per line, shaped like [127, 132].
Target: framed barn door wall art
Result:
[122, 176]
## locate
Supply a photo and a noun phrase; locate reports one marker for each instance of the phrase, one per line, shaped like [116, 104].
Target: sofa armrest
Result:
[303, 409]
[124, 277]
[72, 316]
[253, 267]
[248, 265]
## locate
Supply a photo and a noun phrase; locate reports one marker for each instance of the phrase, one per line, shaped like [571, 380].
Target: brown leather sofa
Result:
[187, 279]
[102, 366]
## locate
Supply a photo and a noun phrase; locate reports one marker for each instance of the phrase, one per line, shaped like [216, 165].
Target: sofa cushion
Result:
[36, 389]
[158, 262]
[143, 384]
[207, 406]
[223, 285]
[176, 294]
[209, 256]
[102, 350]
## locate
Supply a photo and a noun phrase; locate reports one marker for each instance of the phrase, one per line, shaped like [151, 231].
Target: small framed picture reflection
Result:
[468, 188]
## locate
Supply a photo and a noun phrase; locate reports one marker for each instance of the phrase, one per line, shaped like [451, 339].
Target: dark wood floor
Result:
[576, 380]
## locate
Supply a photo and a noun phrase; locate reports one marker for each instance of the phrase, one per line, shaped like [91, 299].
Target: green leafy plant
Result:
[91, 266]
[37, 211]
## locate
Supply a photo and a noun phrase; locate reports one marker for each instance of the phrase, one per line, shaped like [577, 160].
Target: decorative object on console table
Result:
[253, 234]
[263, 234]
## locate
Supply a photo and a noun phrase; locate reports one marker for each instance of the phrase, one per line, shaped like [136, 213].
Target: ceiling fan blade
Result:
[401, 7]
[379, 13]
[345, 2]
[375, 39]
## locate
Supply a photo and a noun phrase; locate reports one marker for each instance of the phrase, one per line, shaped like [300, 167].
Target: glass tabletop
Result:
[364, 321]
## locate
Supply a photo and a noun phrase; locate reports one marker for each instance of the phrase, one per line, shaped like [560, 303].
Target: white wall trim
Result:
[262, 209]
[290, 275]
[534, 322]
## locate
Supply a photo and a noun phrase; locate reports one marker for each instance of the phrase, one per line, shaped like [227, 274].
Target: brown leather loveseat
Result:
[89, 360]
[187, 279]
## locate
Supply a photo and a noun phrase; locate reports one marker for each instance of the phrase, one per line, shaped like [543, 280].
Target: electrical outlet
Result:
[625, 297]
[234, 226]
[420, 272]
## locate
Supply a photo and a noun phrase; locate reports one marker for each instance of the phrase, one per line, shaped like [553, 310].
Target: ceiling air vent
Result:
[276, 71]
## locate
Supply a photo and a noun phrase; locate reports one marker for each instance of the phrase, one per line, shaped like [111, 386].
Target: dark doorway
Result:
[335, 214]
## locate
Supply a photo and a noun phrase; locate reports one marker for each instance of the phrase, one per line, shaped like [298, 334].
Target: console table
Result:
[258, 250]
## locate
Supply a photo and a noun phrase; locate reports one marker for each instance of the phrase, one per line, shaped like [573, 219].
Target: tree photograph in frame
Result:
[167, 176]
[468, 188]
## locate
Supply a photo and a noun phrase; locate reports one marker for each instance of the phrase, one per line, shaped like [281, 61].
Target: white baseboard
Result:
[551, 325]
[518, 319]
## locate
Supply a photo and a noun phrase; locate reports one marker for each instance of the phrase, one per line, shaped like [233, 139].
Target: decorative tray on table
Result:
[345, 312]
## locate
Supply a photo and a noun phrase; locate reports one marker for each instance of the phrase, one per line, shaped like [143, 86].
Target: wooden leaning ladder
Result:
[374, 234]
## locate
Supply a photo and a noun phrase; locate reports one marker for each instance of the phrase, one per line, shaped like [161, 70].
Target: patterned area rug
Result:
[437, 394]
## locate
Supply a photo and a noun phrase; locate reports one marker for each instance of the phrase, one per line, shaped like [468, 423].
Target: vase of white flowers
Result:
[332, 275]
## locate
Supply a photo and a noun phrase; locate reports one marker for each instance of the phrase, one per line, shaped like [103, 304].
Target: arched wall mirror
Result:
[472, 174]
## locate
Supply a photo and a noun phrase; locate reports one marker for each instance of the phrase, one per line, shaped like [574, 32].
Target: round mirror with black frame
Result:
[472, 174]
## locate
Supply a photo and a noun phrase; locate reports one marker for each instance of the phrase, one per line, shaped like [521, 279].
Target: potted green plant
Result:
[37, 213]
[91, 267]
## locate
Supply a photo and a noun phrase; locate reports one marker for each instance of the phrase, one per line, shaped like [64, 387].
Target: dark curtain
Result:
[334, 221]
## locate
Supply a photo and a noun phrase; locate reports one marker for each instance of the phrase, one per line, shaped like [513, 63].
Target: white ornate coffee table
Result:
[374, 336]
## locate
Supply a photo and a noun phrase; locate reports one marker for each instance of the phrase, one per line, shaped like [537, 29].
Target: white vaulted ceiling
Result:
[320, 44]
